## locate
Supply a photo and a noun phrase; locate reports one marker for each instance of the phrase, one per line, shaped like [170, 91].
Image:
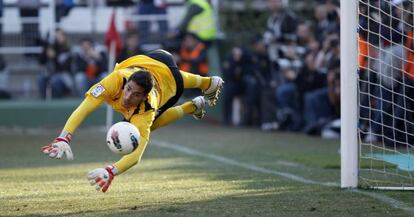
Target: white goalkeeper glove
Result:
[102, 177]
[58, 148]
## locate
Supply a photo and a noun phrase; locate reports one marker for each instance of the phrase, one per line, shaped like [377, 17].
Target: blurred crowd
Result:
[288, 78]
[73, 69]
[386, 71]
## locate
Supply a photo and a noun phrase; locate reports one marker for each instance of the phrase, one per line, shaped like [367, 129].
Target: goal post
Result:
[377, 94]
[349, 93]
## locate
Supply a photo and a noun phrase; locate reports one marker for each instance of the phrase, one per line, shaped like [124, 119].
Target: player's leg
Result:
[195, 81]
[189, 80]
[211, 86]
[194, 107]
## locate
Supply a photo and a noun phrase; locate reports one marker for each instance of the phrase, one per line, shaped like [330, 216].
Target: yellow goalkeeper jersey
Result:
[109, 90]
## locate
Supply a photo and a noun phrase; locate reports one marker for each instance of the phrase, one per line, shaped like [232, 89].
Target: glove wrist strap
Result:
[112, 170]
[65, 137]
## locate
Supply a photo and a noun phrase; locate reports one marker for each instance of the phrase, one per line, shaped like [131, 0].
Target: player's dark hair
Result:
[144, 79]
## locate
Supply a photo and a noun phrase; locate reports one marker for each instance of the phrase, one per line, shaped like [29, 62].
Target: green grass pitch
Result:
[215, 171]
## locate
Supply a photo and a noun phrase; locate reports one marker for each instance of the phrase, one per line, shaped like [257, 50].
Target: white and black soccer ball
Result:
[122, 138]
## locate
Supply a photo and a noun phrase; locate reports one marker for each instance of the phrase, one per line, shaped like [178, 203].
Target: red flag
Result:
[112, 35]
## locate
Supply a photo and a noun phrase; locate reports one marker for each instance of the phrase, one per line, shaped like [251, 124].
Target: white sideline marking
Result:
[383, 198]
[388, 200]
[289, 164]
[229, 161]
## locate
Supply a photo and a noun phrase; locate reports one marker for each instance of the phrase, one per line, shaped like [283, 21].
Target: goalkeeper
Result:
[144, 89]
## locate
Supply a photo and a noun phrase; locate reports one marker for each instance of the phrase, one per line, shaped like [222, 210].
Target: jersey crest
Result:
[97, 91]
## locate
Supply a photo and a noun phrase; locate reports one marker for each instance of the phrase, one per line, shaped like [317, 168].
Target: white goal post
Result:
[377, 94]
[349, 115]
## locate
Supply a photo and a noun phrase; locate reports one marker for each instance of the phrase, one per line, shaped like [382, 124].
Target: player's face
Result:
[133, 95]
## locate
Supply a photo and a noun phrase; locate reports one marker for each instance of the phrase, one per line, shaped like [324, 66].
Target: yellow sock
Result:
[173, 114]
[188, 107]
[195, 81]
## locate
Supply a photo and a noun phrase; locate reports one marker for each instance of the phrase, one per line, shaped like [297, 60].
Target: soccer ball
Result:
[122, 138]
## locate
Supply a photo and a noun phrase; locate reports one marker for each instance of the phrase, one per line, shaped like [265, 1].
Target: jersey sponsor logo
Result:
[98, 90]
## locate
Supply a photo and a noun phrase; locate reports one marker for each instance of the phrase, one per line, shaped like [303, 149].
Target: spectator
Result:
[393, 98]
[290, 56]
[329, 53]
[287, 101]
[304, 34]
[280, 38]
[236, 66]
[199, 20]
[132, 46]
[322, 105]
[193, 58]
[408, 79]
[151, 7]
[332, 15]
[367, 60]
[404, 130]
[376, 24]
[386, 96]
[58, 75]
[193, 55]
[261, 62]
[320, 14]
[290, 94]
[258, 86]
[280, 27]
[91, 64]
[290, 63]
[391, 27]
[310, 77]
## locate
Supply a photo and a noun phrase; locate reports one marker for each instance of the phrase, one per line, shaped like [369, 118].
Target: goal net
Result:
[385, 94]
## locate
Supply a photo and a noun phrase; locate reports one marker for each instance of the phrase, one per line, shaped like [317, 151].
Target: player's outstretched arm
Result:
[102, 177]
[60, 146]
[143, 122]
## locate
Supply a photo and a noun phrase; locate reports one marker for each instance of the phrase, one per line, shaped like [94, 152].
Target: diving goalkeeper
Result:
[144, 89]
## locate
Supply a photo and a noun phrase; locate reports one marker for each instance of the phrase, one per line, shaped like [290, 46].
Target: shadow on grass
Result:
[272, 203]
